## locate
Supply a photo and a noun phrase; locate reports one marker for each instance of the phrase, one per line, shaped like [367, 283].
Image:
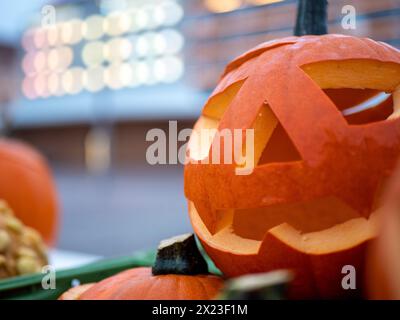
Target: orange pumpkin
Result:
[28, 187]
[179, 273]
[383, 267]
[320, 162]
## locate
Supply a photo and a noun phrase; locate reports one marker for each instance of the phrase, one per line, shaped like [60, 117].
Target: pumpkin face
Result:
[320, 162]
[28, 187]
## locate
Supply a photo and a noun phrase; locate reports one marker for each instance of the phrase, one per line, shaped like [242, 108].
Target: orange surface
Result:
[140, 284]
[75, 292]
[28, 187]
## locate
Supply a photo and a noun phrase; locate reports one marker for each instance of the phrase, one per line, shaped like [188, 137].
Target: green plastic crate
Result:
[30, 287]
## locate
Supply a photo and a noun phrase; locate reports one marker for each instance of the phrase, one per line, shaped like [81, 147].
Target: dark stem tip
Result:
[179, 255]
[311, 18]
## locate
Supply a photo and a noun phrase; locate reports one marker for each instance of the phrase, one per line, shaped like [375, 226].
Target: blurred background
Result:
[84, 81]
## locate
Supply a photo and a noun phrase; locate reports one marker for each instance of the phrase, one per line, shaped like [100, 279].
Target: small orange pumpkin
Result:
[320, 162]
[28, 187]
[179, 273]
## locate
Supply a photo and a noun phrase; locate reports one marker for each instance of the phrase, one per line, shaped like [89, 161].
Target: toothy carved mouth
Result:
[336, 228]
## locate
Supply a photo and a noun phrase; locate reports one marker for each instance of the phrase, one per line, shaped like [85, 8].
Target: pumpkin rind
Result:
[75, 292]
[140, 284]
[337, 159]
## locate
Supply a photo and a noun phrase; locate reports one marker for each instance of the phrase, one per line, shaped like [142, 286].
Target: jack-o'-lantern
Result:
[27, 185]
[324, 110]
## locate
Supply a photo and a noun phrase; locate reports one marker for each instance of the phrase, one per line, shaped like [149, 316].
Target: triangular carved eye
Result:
[272, 144]
[279, 148]
[362, 106]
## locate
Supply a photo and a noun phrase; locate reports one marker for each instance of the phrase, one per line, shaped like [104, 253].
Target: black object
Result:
[179, 255]
[311, 18]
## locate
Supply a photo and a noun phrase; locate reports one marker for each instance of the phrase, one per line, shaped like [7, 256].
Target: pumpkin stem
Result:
[311, 17]
[262, 286]
[179, 255]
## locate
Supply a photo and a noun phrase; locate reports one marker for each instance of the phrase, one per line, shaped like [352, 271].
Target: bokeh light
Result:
[94, 79]
[148, 10]
[139, 20]
[112, 76]
[173, 39]
[142, 46]
[93, 27]
[40, 85]
[28, 63]
[71, 31]
[168, 69]
[126, 74]
[93, 53]
[117, 23]
[40, 38]
[54, 84]
[118, 49]
[40, 60]
[72, 80]
[53, 59]
[66, 57]
[28, 88]
[141, 73]
[53, 35]
[219, 6]
[28, 42]
[173, 12]
[261, 2]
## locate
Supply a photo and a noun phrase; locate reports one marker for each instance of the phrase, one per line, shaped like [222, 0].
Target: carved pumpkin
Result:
[179, 273]
[320, 162]
[382, 276]
[28, 187]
